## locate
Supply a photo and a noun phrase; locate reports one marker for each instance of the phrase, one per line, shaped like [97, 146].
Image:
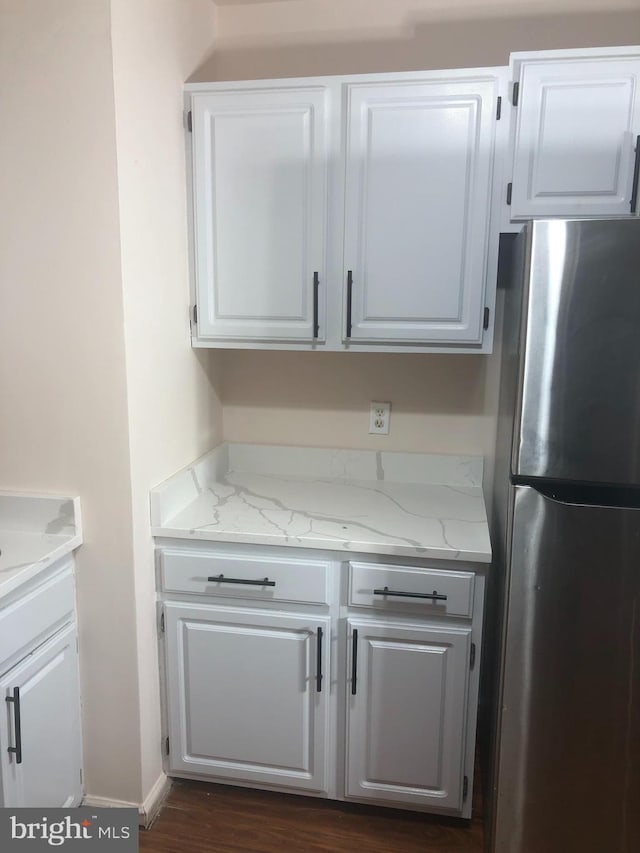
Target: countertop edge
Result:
[31, 570]
[323, 545]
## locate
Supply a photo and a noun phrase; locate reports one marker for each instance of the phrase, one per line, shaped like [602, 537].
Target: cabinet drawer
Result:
[255, 577]
[433, 590]
[29, 620]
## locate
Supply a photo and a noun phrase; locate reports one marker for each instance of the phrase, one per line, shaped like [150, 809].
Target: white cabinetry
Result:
[345, 213]
[576, 136]
[413, 685]
[247, 687]
[247, 698]
[300, 670]
[407, 712]
[40, 733]
[260, 209]
[418, 203]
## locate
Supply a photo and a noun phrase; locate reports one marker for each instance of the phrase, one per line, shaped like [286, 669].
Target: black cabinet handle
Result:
[319, 660]
[633, 204]
[17, 749]
[434, 596]
[316, 286]
[349, 299]
[354, 662]
[222, 579]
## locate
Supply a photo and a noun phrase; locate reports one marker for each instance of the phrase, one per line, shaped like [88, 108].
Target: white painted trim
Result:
[147, 810]
[153, 801]
[340, 79]
[106, 803]
[352, 346]
[619, 52]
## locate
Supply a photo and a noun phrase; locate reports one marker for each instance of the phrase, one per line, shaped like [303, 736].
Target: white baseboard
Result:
[153, 801]
[147, 810]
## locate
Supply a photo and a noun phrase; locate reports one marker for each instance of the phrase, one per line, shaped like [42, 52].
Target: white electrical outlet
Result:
[379, 417]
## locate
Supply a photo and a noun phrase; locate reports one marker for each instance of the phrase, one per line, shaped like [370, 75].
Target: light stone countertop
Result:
[399, 504]
[35, 531]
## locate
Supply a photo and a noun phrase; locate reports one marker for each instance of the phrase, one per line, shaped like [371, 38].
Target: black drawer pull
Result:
[319, 661]
[354, 663]
[349, 301]
[433, 596]
[17, 749]
[222, 579]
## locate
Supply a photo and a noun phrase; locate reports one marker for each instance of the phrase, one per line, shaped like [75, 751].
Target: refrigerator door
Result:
[579, 413]
[569, 733]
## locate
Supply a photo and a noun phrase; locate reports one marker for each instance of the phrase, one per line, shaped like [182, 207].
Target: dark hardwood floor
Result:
[199, 817]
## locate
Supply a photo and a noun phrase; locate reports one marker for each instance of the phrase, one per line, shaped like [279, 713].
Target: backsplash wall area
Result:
[439, 403]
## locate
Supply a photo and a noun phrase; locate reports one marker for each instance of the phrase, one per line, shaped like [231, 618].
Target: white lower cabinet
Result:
[42, 726]
[406, 715]
[248, 694]
[40, 730]
[361, 685]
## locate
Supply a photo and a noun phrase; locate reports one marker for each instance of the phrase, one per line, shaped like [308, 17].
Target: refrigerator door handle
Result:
[633, 204]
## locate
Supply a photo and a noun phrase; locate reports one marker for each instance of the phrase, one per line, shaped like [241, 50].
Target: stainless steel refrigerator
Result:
[567, 543]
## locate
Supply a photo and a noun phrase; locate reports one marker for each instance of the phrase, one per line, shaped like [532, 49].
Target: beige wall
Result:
[304, 37]
[174, 410]
[63, 420]
[102, 395]
[439, 403]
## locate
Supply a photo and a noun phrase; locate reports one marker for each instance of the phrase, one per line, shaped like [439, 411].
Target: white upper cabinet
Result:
[418, 202]
[577, 127]
[346, 212]
[260, 208]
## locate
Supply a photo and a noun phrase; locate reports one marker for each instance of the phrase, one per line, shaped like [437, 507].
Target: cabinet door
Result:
[48, 709]
[577, 123]
[418, 199]
[245, 701]
[407, 713]
[260, 195]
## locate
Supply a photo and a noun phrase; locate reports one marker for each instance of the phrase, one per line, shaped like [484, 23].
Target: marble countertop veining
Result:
[398, 504]
[35, 531]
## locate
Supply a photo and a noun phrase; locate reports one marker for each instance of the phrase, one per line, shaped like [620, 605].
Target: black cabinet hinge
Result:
[485, 321]
[472, 660]
[499, 108]
[516, 93]
[465, 787]
[166, 746]
[509, 192]
[162, 621]
[195, 315]
[190, 122]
